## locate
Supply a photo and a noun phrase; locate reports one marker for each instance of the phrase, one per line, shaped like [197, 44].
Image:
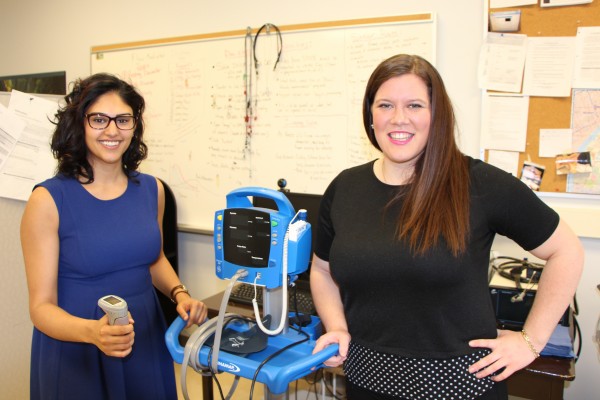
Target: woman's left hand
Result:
[510, 353]
[192, 310]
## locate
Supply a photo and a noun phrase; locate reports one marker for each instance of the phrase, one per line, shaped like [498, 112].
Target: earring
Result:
[372, 127]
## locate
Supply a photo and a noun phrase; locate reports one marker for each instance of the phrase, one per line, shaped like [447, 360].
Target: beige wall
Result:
[57, 36]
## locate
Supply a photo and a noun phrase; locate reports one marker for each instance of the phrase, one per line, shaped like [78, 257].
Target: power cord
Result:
[577, 336]
[513, 269]
[330, 391]
[193, 346]
[299, 318]
[519, 297]
[292, 230]
[212, 327]
[213, 375]
[313, 380]
[275, 354]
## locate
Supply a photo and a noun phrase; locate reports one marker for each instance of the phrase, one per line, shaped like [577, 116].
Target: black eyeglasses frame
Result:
[111, 119]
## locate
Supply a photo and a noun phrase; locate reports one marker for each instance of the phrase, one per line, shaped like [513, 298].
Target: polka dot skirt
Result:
[415, 378]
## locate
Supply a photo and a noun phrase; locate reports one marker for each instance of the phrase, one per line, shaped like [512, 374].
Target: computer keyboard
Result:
[244, 293]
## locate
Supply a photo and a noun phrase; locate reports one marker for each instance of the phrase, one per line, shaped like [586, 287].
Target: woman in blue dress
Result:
[92, 230]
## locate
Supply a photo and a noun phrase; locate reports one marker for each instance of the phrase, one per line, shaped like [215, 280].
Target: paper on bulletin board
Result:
[502, 61]
[504, 122]
[557, 3]
[549, 66]
[506, 160]
[587, 58]
[511, 3]
[555, 141]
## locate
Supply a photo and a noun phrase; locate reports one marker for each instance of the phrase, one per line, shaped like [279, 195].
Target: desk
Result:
[543, 379]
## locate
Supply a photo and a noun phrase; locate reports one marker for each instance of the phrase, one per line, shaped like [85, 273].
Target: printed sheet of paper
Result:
[555, 141]
[501, 62]
[587, 58]
[506, 160]
[558, 3]
[11, 128]
[504, 122]
[31, 160]
[549, 66]
[511, 3]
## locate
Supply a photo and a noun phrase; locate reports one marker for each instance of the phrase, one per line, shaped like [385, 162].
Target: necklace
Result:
[383, 173]
[402, 177]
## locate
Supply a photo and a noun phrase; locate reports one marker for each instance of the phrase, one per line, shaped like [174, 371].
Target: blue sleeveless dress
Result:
[106, 247]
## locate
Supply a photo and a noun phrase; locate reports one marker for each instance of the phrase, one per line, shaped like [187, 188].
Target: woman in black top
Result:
[399, 276]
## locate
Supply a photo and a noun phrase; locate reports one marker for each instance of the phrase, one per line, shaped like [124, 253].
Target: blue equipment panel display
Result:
[263, 246]
[259, 240]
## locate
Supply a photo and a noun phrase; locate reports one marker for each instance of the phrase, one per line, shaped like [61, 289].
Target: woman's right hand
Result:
[342, 338]
[114, 340]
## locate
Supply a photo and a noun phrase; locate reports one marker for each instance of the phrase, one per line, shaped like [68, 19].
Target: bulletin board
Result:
[551, 112]
[306, 105]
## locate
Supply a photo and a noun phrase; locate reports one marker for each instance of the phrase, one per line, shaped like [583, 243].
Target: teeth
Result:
[111, 143]
[401, 136]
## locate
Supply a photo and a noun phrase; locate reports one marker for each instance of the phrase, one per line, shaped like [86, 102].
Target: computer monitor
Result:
[308, 201]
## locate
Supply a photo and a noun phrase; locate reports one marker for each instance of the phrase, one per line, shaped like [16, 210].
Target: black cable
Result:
[275, 354]
[210, 351]
[312, 385]
[214, 376]
[268, 26]
[515, 268]
[296, 389]
[577, 335]
[330, 390]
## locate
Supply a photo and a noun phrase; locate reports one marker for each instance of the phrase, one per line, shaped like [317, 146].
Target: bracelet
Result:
[528, 341]
[176, 290]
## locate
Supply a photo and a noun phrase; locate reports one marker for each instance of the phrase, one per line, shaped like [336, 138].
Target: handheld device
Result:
[116, 309]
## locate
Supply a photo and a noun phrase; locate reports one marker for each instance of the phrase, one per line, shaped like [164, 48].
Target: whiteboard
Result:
[307, 123]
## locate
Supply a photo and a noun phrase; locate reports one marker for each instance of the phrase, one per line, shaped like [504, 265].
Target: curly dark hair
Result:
[68, 141]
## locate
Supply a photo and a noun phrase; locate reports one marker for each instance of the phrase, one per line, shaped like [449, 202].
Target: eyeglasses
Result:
[101, 121]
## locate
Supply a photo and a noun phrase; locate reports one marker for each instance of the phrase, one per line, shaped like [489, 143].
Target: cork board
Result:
[551, 112]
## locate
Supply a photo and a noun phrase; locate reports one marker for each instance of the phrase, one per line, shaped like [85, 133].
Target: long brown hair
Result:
[436, 204]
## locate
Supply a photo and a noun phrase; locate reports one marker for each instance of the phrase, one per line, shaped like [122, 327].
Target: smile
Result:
[110, 143]
[400, 135]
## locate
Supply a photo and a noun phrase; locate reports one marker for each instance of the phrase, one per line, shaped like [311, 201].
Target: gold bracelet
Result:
[176, 290]
[528, 341]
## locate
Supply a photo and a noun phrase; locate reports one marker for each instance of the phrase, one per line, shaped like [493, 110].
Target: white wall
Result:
[58, 35]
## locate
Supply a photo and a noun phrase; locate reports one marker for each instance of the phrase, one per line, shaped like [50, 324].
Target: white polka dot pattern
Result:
[414, 378]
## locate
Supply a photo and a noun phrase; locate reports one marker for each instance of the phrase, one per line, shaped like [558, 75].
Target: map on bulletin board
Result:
[585, 124]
